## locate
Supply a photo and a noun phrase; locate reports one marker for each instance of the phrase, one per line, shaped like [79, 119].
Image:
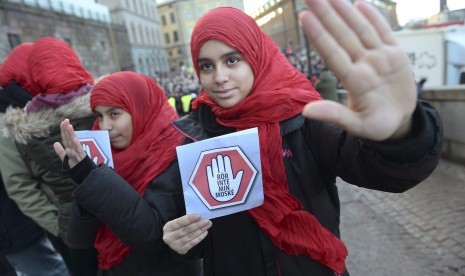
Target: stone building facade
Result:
[142, 22]
[103, 47]
[178, 18]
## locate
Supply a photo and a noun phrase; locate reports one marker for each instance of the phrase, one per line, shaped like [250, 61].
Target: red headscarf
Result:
[55, 67]
[279, 92]
[151, 150]
[14, 68]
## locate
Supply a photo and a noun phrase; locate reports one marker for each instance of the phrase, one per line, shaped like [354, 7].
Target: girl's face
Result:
[224, 73]
[118, 122]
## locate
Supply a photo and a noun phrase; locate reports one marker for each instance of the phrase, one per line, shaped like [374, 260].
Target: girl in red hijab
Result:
[119, 208]
[15, 68]
[248, 83]
[56, 73]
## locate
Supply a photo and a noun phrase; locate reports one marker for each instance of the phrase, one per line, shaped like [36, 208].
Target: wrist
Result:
[403, 131]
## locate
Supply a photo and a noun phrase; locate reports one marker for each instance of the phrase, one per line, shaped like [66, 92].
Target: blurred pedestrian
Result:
[63, 87]
[327, 85]
[22, 241]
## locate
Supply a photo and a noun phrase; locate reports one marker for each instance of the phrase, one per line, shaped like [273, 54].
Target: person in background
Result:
[22, 241]
[62, 87]
[117, 211]
[384, 140]
[327, 85]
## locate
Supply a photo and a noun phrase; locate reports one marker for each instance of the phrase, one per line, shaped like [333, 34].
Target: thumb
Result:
[59, 150]
[333, 113]
[239, 176]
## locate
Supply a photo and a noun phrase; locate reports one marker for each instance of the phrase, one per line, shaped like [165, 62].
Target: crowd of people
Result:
[61, 209]
[181, 88]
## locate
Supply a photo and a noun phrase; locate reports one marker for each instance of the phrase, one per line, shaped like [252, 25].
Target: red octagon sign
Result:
[222, 177]
[93, 150]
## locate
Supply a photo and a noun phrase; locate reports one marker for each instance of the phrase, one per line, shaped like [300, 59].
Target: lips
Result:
[225, 93]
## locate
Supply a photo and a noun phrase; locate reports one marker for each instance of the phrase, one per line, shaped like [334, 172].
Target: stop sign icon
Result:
[93, 150]
[222, 177]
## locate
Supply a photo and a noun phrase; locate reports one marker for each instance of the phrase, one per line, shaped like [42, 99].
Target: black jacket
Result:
[105, 197]
[17, 231]
[317, 153]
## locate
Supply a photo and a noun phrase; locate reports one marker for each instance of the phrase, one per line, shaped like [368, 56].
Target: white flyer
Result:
[96, 143]
[222, 175]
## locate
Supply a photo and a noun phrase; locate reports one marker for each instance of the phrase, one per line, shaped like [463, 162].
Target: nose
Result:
[221, 75]
[105, 124]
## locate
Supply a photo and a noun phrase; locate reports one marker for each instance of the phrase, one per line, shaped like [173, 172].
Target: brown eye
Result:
[205, 66]
[233, 60]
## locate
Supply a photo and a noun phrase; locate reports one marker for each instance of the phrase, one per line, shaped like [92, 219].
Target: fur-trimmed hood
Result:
[24, 126]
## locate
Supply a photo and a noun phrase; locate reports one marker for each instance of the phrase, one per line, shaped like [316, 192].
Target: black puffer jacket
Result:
[316, 153]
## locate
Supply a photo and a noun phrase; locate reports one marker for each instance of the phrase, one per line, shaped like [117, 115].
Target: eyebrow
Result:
[108, 111]
[232, 53]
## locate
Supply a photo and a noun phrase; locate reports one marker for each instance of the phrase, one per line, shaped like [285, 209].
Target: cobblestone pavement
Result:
[419, 232]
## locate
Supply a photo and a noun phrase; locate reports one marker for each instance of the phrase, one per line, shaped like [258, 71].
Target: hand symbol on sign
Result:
[86, 149]
[222, 183]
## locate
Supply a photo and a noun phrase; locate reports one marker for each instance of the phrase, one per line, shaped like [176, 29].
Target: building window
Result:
[173, 20]
[133, 33]
[154, 37]
[163, 20]
[167, 38]
[147, 10]
[14, 40]
[147, 36]
[141, 33]
[175, 36]
[136, 7]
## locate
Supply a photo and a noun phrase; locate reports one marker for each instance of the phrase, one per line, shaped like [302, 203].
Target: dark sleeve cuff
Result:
[426, 136]
[79, 172]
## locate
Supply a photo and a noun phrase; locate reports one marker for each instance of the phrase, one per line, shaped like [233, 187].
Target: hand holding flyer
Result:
[222, 175]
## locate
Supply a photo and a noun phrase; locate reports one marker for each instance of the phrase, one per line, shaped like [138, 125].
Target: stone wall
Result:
[450, 103]
[102, 48]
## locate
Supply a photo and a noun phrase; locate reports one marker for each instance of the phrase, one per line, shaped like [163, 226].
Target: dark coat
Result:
[17, 232]
[317, 153]
[34, 134]
[105, 197]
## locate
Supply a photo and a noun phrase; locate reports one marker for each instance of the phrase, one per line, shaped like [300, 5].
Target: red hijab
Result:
[55, 67]
[151, 150]
[279, 92]
[14, 68]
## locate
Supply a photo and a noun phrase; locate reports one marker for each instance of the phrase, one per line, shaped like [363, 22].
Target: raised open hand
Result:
[357, 44]
[71, 144]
